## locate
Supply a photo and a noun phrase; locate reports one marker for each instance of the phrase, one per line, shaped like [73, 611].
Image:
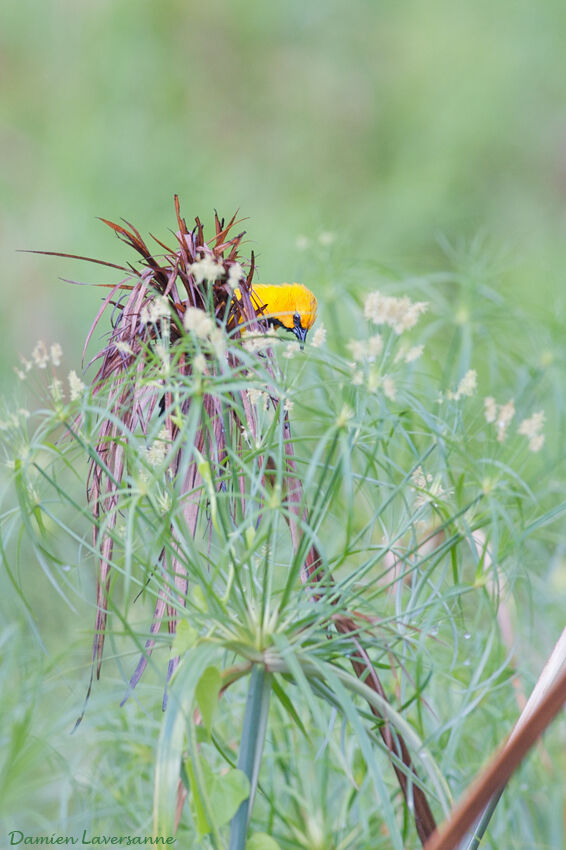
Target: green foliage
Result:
[384, 124]
[421, 518]
[261, 841]
[223, 794]
[207, 692]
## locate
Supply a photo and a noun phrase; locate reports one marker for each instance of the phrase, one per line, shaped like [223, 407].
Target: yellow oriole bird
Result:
[291, 306]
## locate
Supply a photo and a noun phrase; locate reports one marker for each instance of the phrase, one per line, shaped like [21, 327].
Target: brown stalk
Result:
[499, 770]
[312, 574]
[413, 794]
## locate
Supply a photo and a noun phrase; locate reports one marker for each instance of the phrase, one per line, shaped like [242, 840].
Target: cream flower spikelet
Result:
[466, 387]
[421, 482]
[198, 322]
[218, 341]
[489, 409]
[358, 349]
[254, 342]
[157, 452]
[76, 386]
[152, 311]
[432, 487]
[40, 355]
[401, 314]
[235, 275]
[468, 384]
[532, 429]
[291, 349]
[254, 395]
[206, 269]
[414, 353]
[536, 443]
[319, 336]
[374, 346]
[56, 353]
[419, 479]
[500, 415]
[56, 389]
[365, 349]
[22, 373]
[124, 347]
[505, 414]
[389, 388]
[199, 363]
[344, 416]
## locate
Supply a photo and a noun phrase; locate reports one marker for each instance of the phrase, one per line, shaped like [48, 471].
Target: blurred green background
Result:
[390, 125]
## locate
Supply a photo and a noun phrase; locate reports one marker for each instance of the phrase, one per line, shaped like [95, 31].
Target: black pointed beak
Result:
[301, 334]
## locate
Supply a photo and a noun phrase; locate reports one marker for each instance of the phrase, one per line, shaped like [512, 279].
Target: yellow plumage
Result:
[290, 305]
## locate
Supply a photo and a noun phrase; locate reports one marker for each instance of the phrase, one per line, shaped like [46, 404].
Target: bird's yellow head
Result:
[290, 305]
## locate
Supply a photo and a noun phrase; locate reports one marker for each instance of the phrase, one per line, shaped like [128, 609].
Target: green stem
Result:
[473, 838]
[253, 736]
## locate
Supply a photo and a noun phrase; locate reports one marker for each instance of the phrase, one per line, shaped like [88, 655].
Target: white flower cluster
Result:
[409, 355]
[291, 349]
[157, 452]
[199, 364]
[500, 415]
[203, 326]
[198, 322]
[15, 420]
[319, 336]
[76, 386]
[466, 387]
[235, 275]
[56, 353]
[253, 341]
[389, 388]
[344, 416]
[365, 349]
[41, 356]
[427, 489]
[374, 382]
[206, 269]
[56, 389]
[123, 347]
[532, 429]
[258, 397]
[401, 314]
[154, 309]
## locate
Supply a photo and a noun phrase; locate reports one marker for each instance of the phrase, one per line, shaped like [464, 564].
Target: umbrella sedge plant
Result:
[279, 518]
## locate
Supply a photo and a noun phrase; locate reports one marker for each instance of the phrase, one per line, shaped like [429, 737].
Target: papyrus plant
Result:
[187, 426]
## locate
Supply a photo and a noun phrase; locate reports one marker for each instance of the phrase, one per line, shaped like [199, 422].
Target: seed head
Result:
[401, 314]
[532, 429]
[198, 322]
[76, 386]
